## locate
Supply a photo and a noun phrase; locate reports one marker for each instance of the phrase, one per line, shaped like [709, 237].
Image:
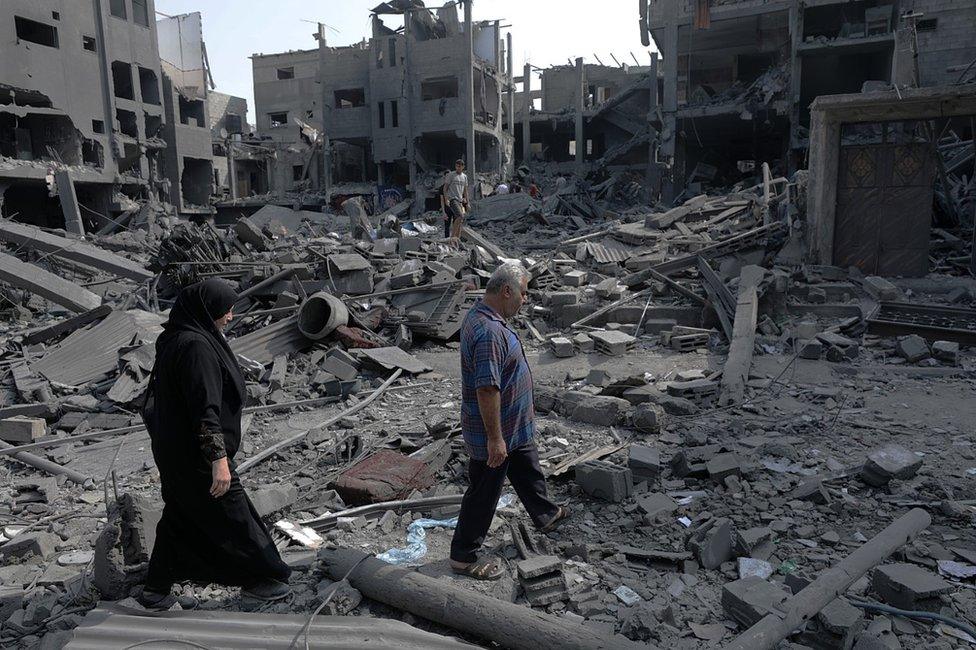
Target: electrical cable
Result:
[308, 623]
[916, 614]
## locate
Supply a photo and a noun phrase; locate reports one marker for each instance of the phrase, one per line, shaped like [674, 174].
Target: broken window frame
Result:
[89, 40]
[349, 98]
[28, 30]
[436, 88]
[277, 119]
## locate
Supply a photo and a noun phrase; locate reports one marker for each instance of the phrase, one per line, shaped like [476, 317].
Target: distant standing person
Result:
[498, 423]
[455, 200]
[209, 530]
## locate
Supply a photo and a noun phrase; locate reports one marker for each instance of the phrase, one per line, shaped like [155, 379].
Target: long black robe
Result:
[193, 413]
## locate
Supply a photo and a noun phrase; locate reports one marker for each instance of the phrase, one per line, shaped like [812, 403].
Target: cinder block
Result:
[908, 586]
[562, 347]
[644, 463]
[21, 429]
[605, 480]
[749, 599]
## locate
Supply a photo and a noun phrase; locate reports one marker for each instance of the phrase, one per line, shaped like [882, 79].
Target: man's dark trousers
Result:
[480, 499]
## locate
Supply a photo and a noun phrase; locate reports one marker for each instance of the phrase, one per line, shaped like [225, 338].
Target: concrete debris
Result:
[713, 333]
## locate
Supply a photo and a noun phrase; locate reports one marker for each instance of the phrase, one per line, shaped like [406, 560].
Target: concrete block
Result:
[843, 620]
[538, 565]
[560, 298]
[605, 480]
[598, 377]
[613, 343]
[908, 586]
[711, 542]
[946, 351]
[562, 347]
[809, 349]
[889, 462]
[644, 463]
[596, 409]
[140, 517]
[272, 498]
[339, 368]
[912, 348]
[22, 430]
[749, 599]
[748, 542]
[249, 233]
[723, 465]
[653, 327]
[880, 289]
[583, 343]
[574, 278]
[656, 504]
[36, 543]
[811, 490]
[11, 599]
[649, 418]
[807, 330]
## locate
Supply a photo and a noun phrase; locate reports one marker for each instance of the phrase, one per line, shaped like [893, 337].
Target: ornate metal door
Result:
[884, 208]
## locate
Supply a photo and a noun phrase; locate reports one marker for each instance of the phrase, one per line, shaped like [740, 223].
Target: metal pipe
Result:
[44, 465]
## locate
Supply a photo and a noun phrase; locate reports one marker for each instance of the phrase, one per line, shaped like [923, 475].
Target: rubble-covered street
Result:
[754, 395]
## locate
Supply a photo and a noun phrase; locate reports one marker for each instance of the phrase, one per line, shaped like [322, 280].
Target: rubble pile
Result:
[726, 423]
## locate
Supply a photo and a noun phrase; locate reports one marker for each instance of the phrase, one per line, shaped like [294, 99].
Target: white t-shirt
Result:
[454, 185]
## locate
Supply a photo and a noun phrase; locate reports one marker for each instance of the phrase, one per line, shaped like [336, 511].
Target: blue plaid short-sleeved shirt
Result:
[492, 355]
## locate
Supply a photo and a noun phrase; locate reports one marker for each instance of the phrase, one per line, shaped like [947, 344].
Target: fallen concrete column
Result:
[505, 623]
[772, 629]
[45, 465]
[46, 284]
[71, 249]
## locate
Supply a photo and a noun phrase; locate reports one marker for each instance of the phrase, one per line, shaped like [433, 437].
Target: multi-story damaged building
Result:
[85, 113]
[79, 92]
[739, 75]
[428, 87]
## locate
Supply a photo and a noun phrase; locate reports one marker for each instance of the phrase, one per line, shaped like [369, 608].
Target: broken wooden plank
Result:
[736, 370]
[46, 284]
[593, 454]
[71, 249]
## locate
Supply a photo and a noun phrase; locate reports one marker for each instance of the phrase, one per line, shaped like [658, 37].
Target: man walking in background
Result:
[497, 422]
[455, 200]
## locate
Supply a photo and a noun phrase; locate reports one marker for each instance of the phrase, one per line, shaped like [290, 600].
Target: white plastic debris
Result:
[301, 534]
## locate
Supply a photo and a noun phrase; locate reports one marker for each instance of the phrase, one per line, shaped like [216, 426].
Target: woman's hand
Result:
[221, 478]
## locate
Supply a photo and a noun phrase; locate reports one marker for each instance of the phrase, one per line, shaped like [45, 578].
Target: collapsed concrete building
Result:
[88, 111]
[396, 109]
[738, 76]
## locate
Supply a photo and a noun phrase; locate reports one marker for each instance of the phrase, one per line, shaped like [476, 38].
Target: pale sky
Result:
[545, 32]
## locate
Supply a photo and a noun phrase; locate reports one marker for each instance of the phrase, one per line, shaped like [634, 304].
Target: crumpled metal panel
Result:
[608, 253]
[264, 344]
[88, 354]
[112, 627]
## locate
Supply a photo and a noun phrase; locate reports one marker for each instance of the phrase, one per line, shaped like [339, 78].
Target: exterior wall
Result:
[298, 96]
[347, 68]
[222, 105]
[951, 43]
[72, 77]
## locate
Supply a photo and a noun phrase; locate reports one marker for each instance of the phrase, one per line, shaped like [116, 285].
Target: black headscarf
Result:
[196, 309]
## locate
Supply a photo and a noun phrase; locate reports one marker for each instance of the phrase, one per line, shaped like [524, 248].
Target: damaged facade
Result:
[87, 97]
[398, 108]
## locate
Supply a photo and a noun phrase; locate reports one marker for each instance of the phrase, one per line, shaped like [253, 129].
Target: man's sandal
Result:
[553, 524]
[481, 569]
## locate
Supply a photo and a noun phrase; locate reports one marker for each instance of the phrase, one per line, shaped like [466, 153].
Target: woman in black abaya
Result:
[209, 531]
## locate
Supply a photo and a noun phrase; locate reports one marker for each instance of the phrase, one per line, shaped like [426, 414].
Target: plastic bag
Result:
[416, 547]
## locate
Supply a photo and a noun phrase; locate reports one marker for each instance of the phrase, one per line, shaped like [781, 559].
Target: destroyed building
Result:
[738, 76]
[755, 399]
[398, 108]
[92, 92]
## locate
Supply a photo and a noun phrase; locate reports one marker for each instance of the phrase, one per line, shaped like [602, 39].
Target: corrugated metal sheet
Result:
[111, 627]
[265, 344]
[609, 253]
[88, 354]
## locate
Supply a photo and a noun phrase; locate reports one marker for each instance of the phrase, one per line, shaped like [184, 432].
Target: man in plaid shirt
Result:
[497, 422]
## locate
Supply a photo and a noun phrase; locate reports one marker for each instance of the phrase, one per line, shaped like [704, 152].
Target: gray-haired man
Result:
[497, 422]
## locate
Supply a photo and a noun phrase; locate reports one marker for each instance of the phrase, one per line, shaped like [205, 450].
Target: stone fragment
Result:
[22, 430]
[749, 566]
[889, 462]
[597, 409]
[809, 349]
[598, 377]
[711, 542]
[912, 348]
[754, 542]
[11, 599]
[538, 565]
[748, 600]
[272, 498]
[644, 463]
[655, 504]
[946, 351]
[339, 368]
[811, 490]
[604, 480]
[39, 544]
[908, 586]
[723, 465]
[139, 518]
[648, 418]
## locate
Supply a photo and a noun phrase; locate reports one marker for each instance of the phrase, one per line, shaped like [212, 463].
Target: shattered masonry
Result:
[751, 323]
